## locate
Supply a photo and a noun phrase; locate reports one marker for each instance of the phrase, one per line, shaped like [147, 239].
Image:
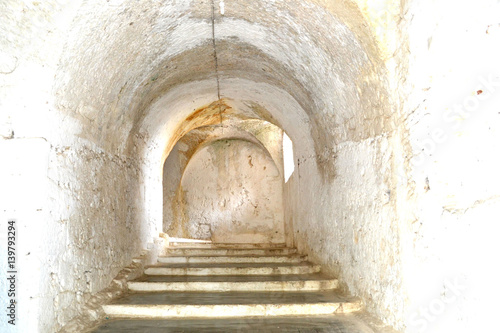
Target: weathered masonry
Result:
[363, 133]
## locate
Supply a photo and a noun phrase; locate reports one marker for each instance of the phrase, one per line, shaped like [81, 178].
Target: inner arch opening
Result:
[225, 184]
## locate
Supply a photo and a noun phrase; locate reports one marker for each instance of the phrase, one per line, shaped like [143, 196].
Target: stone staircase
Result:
[232, 288]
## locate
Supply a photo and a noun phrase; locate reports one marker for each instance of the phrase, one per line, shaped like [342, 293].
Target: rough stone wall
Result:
[77, 231]
[221, 195]
[78, 205]
[355, 234]
[96, 201]
[173, 169]
[264, 136]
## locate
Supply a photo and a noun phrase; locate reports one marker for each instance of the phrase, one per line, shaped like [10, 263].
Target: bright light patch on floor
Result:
[288, 162]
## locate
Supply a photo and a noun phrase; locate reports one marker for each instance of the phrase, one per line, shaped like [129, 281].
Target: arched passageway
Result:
[230, 192]
[358, 86]
[225, 183]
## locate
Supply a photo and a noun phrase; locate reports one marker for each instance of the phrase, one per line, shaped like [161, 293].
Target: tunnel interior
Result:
[265, 121]
[201, 93]
[225, 184]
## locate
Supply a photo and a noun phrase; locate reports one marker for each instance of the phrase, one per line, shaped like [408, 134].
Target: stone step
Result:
[218, 305]
[209, 245]
[205, 311]
[282, 324]
[276, 269]
[212, 281]
[230, 278]
[193, 251]
[186, 240]
[245, 283]
[232, 259]
[263, 297]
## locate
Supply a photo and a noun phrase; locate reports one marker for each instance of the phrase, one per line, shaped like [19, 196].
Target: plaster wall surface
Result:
[77, 205]
[360, 243]
[263, 135]
[173, 169]
[222, 195]
[73, 233]
[449, 212]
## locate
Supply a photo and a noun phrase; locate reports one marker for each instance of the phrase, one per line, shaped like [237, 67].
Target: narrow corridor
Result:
[362, 134]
